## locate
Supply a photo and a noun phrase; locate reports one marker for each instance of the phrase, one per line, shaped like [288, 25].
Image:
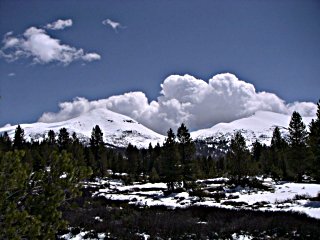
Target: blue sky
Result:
[273, 45]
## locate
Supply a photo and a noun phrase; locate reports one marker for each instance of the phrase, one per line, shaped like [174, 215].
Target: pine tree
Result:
[238, 157]
[314, 143]
[187, 154]
[297, 131]
[52, 188]
[277, 142]
[77, 151]
[277, 163]
[51, 137]
[5, 142]
[132, 154]
[31, 199]
[18, 140]
[99, 152]
[15, 220]
[63, 139]
[96, 139]
[171, 164]
[122, 164]
[297, 140]
[156, 160]
[256, 150]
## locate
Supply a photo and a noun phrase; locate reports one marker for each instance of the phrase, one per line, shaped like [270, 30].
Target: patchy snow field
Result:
[284, 196]
[82, 235]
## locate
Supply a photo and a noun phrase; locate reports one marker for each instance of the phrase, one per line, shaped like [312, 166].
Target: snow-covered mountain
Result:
[118, 130]
[258, 126]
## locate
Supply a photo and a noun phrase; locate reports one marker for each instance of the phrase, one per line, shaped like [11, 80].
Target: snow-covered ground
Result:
[282, 196]
[285, 196]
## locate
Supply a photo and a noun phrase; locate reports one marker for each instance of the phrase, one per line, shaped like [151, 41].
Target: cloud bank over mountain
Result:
[198, 103]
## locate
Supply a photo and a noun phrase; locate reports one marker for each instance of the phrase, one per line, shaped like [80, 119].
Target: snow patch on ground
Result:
[283, 196]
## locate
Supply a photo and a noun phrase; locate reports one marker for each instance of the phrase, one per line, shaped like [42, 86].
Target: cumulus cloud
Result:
[37, 45]
[68, 110]
[304, 108]
[198, 103]
[114, 25]
[59, 24]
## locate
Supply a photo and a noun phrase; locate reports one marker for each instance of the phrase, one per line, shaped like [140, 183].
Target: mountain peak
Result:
[118, 129]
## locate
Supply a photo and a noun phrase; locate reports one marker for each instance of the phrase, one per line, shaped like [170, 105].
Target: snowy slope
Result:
[117, 129]
[258, 126]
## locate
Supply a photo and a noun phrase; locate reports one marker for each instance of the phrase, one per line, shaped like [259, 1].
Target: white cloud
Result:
[113, 24]
[68, 110]
[37, 45]
[59, 24]
[11, 74]
[304, 108]
[89, 57]
[197, 103]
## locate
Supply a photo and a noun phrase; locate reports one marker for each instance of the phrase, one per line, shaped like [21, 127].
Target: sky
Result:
[160, 62]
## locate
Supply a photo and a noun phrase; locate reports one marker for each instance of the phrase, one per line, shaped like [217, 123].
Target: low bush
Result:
[252, 183]
[234, 203]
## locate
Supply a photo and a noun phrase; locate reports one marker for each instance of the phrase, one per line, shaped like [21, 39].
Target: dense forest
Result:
[39, 179]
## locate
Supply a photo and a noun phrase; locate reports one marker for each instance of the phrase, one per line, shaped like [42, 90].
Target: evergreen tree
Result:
[132, 154]
[150, 160]
[51, 137]
[5, 142]
[187, 154]
[122, 164]
[171, 164]
[277, 164]
[15, 221]
[63, 139]
[238, 157]
[96, 139]
[99, 152]
[156, 159]
[256, 150]
[314, 143]
[18, 140]
[221, 165]
[77, 151]
[297, 140]
[297, 131]
[253, 163]
[277, 142]
[31, 200]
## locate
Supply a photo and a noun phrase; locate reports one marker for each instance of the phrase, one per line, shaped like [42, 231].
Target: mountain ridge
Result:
[120, 130]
